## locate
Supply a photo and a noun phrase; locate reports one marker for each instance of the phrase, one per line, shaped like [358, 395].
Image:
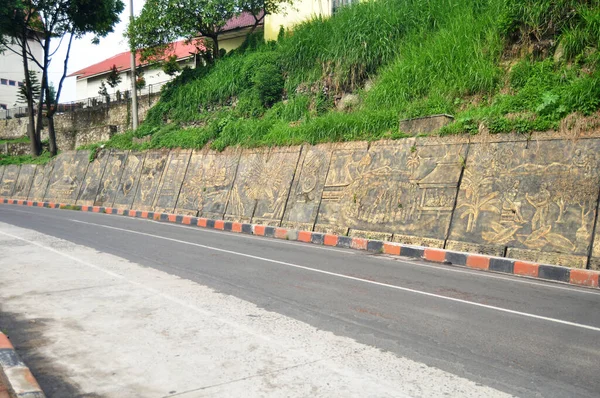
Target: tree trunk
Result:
[44, 89]
[51, 110]
[36, 145]
[215, 40]
[52, 136]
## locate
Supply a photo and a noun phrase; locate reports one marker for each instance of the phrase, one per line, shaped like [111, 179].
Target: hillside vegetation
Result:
[513, 65]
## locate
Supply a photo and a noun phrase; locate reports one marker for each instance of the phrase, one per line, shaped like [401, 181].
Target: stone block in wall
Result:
[111, 178]
[94, 134]
[537, 201]
[65, 139]
[262, 185]
[93, 177]
[23, 184]
[151, 173]
[425, 125]
[9, 180]
[127, 188]
[207, 183]
[13, 128]
[40, 181]
[67, 177]
[307, 187]
[406, 187]
[18, 148]
[171, 181]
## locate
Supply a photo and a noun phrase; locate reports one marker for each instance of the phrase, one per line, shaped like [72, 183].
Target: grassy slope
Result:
[401, 58]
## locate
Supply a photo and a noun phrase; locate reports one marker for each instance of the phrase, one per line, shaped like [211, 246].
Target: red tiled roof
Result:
[182, 50]
[123, 60]
[241, 21]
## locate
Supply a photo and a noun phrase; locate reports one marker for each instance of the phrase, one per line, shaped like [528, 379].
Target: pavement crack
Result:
[261, 374]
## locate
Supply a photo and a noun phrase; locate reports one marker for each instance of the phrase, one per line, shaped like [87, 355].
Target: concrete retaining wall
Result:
[528, 197]
[82, 126]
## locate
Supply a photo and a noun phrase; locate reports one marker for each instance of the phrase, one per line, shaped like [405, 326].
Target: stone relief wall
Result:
[207, 183]
[24, 181]
[262, 185]
[533, 199]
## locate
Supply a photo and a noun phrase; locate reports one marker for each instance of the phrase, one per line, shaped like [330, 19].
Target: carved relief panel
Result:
[208, 182]
[530, 197]
[93, 177]
[110, 179]
[40, 182]
[67, 176]
[9, 180]
[171, 181]
[152, 170]
[24, 181]
[127, 188]
[307, 187]
[262, 185]
[397, 187]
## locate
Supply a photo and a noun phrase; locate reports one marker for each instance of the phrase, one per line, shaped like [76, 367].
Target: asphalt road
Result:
[523, 337]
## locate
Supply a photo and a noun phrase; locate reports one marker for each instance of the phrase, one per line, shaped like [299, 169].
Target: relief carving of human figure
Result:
[541, 202]
[511, 208]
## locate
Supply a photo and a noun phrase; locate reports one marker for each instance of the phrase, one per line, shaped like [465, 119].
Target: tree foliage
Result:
[25, 93]
[114, 77]
[171, 67]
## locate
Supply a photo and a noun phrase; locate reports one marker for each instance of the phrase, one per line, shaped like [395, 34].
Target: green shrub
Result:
[268, 82]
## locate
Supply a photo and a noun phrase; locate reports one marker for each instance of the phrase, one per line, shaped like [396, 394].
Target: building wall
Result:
[88, 88]
[231, 43]
[11, 72]
[300, 11]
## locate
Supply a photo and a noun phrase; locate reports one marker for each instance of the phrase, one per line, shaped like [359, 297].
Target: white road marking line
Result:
[489, 274]
[491, 307]
[445, 268]
[232, 234]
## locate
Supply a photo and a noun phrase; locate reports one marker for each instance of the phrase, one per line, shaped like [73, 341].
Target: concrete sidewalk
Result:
[111, 328]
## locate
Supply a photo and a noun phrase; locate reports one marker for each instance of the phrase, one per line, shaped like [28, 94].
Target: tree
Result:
[24, 92]
[171, 67]
[161, 22]
[26, 22]
[140, 80]
[103, 91]
[114, 78]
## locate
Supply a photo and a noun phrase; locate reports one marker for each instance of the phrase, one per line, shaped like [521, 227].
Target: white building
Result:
[90, 79]
[12, 75]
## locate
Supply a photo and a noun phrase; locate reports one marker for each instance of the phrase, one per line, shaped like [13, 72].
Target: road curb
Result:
[20, 381]
[573, 276]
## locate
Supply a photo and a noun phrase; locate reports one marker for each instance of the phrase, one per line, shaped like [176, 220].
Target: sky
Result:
[84, 53]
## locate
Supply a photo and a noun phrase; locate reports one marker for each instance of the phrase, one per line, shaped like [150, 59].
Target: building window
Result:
[3, 81]
[3, 106]
[20, 84]
[12, 82]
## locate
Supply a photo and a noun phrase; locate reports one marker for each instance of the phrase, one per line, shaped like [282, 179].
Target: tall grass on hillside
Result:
[515, 65]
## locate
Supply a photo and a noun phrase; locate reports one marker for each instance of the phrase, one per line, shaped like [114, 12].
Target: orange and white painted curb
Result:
[580, 277]
[21, 383]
